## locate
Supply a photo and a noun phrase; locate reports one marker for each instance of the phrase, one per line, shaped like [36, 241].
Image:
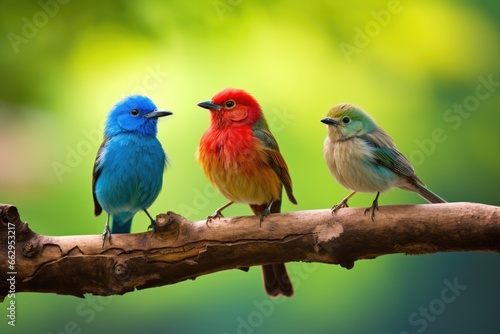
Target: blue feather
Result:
[121, 227]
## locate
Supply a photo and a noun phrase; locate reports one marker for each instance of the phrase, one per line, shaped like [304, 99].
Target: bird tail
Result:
[121, 225]
[429, 195]
[276, 279]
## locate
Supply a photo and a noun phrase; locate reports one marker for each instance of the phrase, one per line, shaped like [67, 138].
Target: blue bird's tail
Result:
[121, 225]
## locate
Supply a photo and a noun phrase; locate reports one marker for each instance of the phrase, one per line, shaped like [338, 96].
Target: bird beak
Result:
[329, 121]
[156, 114]
[209, 105]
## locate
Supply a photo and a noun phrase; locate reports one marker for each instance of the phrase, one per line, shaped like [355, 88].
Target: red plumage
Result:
[241, 158]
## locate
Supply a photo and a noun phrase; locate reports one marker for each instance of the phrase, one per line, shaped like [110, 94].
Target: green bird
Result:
[363, 158]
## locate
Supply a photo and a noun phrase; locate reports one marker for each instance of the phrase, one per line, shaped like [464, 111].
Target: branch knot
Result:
[122, 271]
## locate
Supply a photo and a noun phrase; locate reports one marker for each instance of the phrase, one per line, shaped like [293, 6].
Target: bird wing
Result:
[95, 175]
[386, 155]
[275, 160]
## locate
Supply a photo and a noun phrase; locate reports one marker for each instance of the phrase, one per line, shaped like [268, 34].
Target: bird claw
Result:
[373, 208]
[216, 215]
[339, 206]
[152, 227]
[106, 233]
[264, 213]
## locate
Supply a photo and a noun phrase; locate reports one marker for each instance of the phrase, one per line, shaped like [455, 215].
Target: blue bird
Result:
[128, 170]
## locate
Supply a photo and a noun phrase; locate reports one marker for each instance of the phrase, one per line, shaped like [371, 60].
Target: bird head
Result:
[346, 120]
[233, 107]
[134, 113]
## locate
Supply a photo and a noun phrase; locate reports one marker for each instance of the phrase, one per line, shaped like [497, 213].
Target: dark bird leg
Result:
[265, 212]
[373, 207]
[153, 222]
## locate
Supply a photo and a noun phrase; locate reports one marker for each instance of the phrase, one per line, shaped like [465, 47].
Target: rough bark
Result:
[181, 249]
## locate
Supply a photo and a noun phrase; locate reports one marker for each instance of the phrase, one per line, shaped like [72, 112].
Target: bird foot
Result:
[373, 208]
[337, 207]
[106, 233]
[264, 213]
[216, 215]
[152, 227]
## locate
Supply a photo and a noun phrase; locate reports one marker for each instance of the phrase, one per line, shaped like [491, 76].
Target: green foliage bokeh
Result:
[420, 68]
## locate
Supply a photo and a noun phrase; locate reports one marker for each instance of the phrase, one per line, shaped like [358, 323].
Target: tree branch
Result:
[181, 249]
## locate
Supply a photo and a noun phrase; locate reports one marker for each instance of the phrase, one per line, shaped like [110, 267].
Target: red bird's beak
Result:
[209, 105]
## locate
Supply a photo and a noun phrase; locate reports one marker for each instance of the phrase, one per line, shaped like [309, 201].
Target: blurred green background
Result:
[428, 71]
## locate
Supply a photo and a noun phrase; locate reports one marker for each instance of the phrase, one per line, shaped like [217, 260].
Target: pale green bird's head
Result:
[345, 120]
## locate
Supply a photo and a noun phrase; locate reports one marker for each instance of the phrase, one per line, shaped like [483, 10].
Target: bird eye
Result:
[229, 104]
[346, 120]
[134, 112]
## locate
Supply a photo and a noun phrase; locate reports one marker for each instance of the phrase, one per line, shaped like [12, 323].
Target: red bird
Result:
[241, 158]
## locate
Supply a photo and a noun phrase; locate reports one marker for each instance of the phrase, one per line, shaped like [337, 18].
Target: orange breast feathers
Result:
[235, 163]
